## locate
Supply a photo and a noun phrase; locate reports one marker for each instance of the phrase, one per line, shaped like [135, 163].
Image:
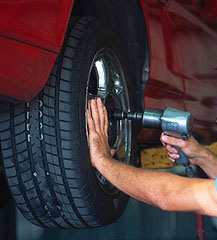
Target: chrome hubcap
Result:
[107, 81]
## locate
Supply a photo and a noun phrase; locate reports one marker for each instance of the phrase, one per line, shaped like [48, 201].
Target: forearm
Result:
[133, 181]
[165, 190]
[208, 162]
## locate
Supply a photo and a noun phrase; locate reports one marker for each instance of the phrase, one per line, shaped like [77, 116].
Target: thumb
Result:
[112, 151]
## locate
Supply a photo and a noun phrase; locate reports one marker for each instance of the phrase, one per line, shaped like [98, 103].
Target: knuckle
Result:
[183, 144]
[169, 148]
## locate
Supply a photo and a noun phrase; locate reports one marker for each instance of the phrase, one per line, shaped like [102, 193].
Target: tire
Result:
[44, 142]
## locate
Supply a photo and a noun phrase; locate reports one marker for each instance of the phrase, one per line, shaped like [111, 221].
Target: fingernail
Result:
[164, 138]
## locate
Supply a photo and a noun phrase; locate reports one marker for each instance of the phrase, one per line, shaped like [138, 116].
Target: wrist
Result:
[202, 155]
[102, 163]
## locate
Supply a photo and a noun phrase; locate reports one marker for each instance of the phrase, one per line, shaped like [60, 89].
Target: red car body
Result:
[182, 36]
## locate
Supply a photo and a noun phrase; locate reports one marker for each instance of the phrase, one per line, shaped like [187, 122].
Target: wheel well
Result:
[127, 19]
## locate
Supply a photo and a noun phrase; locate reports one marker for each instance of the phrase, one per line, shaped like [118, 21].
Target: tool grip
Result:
[183, 158]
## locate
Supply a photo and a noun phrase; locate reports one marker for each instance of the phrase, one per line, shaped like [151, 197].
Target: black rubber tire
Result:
[44, 143]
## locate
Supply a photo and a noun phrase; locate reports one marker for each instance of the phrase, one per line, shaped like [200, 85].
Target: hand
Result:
[97, 120]
[190, 148]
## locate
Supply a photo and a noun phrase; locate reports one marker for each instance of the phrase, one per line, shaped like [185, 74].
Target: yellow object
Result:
[212, 148]
[157, 158]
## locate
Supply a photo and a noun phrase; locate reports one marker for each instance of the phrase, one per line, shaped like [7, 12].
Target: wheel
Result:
[44, 142]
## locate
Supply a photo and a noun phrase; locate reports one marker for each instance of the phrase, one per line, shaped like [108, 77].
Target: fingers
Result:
[171, 149]
[90, 122]
[95, 114]
[173, 155]
[101, 113]
[89, 108]
[161, 139]
[173, 141]
[106, 121]
[98, 114]
[172, 160]
[112, 151]
[172, 152]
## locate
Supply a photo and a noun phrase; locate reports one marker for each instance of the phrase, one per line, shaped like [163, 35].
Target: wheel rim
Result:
[107, 81]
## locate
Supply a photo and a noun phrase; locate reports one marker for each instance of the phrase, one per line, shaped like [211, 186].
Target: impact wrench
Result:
[172, 122]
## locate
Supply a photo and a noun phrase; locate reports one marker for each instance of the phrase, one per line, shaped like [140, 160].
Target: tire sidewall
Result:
[110, 206]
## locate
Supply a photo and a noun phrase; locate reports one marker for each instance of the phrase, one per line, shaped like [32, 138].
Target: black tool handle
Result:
[185, 161]
[183, 158]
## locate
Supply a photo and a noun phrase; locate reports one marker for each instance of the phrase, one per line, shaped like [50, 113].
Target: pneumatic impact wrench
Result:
[171, 121]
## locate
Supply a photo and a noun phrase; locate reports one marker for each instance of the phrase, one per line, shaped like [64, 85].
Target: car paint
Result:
[24, 69]
[29, 47]
[197, 46]
[183, 57]
[31, 36]
[40, 23]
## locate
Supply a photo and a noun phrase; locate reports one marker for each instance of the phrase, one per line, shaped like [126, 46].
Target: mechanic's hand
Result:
[190, 148]
[97, 119]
